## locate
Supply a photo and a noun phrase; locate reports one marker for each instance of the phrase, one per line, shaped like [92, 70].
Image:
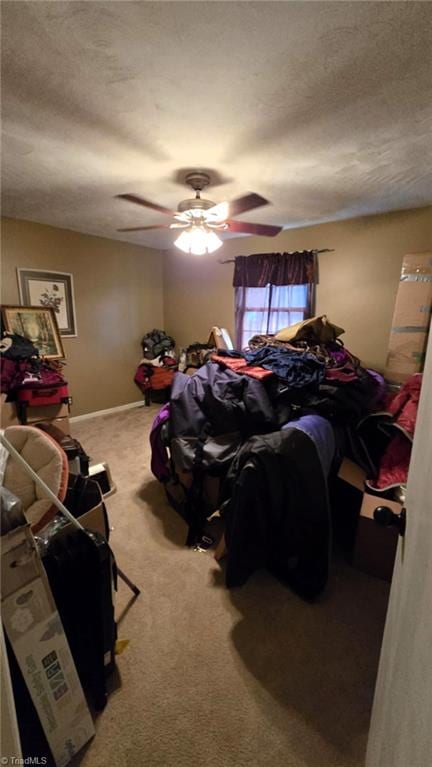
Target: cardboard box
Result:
[9, 415]
[47, 412]
[61, 423]
[100, 472]
[38, 641]
[411, 318]
[57, 414]
[375, 546]
[352, 473]
[93, 520]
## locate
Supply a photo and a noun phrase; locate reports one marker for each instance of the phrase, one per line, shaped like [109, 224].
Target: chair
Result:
[48, 461]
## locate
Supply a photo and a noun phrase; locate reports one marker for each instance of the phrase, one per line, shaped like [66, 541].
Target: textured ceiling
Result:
[323, 108]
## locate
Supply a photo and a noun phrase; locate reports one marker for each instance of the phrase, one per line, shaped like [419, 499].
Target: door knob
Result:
[386, 518]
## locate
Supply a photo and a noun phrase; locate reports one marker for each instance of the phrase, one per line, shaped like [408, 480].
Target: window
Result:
[267, 310]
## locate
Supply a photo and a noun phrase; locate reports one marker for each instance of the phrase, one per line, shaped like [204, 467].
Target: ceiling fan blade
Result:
[266, 230]
[144, 228]
[146, 203]
[218, 213]
[245, 203]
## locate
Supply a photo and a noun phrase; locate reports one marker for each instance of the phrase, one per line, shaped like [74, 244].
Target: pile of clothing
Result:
[387, 437]
[156, 370]
[156, 343]
[28, 379]
[307, 367]
[272, 422]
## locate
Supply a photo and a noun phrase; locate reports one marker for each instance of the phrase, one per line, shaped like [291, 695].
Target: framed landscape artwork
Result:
[39, 325]
[51, 290]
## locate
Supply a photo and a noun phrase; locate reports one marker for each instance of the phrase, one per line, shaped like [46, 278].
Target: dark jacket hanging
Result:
[276, 512]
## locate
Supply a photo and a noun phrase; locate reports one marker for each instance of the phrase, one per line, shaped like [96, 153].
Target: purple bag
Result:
[160, 464]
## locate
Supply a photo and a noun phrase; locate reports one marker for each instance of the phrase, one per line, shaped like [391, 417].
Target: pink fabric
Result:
[404, 405]
[394, 464]
[344, 374]
[239, 365]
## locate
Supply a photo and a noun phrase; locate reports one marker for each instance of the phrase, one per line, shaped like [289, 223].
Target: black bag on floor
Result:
[71, 446]
[81, 570]
[83, 494]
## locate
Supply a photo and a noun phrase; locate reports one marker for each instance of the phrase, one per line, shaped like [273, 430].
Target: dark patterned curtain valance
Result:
[260, 269]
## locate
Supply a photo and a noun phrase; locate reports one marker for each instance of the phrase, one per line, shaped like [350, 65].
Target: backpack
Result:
[16, 347]
[197, 354]
[155, 343]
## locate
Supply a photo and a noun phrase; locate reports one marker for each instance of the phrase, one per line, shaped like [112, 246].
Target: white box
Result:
[100, 472]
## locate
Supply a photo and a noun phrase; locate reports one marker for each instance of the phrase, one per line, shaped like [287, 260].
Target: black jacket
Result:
[276, 511]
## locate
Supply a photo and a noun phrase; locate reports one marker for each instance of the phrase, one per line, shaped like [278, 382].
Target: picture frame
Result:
[39, 325]
[38, 287]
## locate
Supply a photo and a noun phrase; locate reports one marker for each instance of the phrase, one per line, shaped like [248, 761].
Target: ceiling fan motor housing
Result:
[198, 180]
[195, 202]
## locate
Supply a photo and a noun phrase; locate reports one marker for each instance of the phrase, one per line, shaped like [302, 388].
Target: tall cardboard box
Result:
[375, 546]
[37, 638]
[411, 318]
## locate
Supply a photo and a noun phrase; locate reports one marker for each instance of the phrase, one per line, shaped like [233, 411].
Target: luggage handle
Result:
[35, 477]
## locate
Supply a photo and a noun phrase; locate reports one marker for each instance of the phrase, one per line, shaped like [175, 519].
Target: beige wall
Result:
[357, 287]
[118, 297]
[121, 292]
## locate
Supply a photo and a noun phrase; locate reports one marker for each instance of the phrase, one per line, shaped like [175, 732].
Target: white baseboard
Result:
[108, 411]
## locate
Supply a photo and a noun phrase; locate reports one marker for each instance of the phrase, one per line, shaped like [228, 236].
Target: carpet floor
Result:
[253, 677]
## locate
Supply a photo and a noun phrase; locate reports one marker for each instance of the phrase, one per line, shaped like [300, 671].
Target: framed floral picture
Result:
[38, 324]
[52, 290]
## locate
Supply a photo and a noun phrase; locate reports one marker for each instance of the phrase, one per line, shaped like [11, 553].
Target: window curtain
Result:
[272, 291]
[261, 269]
[267, 310]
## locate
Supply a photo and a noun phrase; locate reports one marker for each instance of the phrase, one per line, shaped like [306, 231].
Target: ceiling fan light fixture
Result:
[198, 241]
[218, 213]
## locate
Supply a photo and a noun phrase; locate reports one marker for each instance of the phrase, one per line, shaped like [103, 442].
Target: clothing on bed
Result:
[321, 433]
[276, 512]
[301, 398]
[239, 365]
[216, 403]
[297, 369]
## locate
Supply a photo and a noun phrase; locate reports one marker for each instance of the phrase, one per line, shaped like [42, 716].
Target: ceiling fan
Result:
[200, 219]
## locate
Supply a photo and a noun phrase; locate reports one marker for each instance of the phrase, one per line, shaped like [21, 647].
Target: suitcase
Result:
[82, 574]
[42, 394]
[38, 396]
